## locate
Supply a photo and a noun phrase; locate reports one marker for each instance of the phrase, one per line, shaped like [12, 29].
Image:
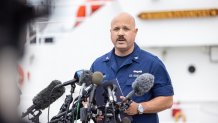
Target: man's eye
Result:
[125, 28]
[116, 29]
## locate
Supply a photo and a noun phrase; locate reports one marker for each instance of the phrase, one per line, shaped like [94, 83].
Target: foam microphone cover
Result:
[97, 78]
[44, 98]
[85, 77]
[108, 84]
[143, 83]
[126, 120]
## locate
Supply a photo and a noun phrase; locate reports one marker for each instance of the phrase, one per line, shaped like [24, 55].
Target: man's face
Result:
[123, 33]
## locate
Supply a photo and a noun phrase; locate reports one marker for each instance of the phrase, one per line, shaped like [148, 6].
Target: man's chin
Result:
[122, 48]
[121, 45]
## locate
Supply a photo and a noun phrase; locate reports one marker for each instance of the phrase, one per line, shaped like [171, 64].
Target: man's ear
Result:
[136, 30]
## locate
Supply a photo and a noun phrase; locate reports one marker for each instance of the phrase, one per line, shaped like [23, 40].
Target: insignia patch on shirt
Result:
[136, 57]
[137, 71]
[104, 76]
[134, 75]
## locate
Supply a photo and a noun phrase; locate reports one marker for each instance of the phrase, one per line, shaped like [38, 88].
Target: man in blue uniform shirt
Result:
[126, 61]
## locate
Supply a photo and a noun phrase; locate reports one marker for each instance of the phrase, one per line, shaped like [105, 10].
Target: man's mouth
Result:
[121, 39]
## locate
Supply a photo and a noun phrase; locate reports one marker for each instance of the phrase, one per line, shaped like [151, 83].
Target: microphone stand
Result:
[90, 105]
[73, 86]
[112, 111]
[109, 110]
[35, 118]
[34, 113]
[58, 118]
[123, 106]
[65, 107]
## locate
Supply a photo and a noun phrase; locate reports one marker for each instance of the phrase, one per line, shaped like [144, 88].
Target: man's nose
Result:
[121, 32]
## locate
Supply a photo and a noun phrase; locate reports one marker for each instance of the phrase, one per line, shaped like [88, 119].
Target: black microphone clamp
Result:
[35, 114]
[125, 105]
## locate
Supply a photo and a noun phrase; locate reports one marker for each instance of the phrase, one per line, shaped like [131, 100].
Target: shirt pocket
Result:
[127, 87]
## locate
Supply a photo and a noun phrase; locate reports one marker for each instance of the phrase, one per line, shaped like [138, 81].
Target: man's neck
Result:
[123, 52]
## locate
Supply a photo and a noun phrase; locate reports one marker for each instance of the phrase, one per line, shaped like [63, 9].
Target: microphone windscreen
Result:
[107, 84]
[143, 83]
[77, 75]
[44, 98]
[97, 78]
[126, 120]
[85, 77]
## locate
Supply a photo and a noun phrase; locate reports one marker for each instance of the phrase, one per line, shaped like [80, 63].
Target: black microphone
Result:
[142, 84]
[73, 81]
[44, 98]
[97, 78]
[111, 88]
[85, 79]
[96, 81]
[86, 92]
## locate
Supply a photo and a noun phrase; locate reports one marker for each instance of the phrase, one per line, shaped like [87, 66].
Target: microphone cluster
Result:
[84, 107]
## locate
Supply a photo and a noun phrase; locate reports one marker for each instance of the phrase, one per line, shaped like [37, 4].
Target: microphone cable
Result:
[49, 103]
[68, 105]
[77, 110]
[49, 100]
[72, 112]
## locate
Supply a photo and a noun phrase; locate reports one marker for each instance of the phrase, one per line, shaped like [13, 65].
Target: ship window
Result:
[49, 40]
[191, 69]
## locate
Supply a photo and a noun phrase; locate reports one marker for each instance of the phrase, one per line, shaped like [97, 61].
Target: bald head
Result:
[123, 33]
[124, 17]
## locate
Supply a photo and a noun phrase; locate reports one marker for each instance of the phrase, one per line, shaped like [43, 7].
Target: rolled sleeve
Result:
[163, 91]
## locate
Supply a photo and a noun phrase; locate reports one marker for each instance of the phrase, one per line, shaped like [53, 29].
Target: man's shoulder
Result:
[102, 58]
[148, 55]
[144, 53]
